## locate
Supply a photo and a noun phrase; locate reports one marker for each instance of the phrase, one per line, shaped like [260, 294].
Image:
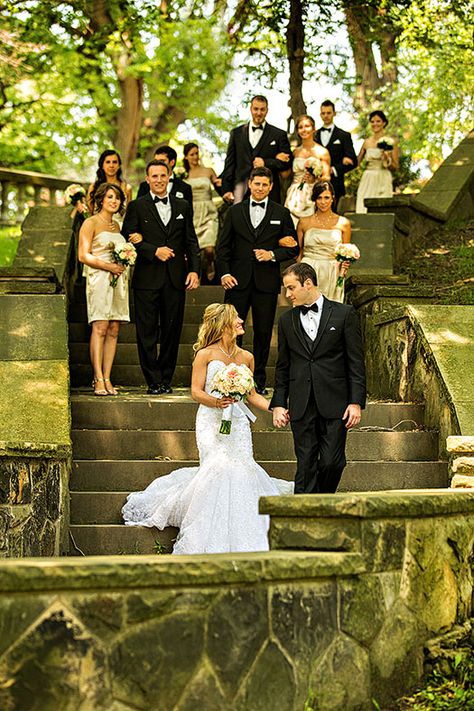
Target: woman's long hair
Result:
[102, 191]
[320, 187]
[217, 319]
[188, 147]
[100, 175]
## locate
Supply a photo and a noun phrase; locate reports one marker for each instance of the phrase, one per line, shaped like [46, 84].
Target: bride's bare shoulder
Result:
[246, 357]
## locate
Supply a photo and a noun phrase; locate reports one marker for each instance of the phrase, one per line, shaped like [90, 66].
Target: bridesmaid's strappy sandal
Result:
[101, 391]
[110, 390]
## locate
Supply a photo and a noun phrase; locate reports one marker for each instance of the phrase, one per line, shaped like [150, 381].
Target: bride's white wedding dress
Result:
[215, 505]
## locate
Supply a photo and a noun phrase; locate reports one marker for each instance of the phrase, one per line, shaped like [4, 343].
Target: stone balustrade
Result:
[22, 189]
[461, 451]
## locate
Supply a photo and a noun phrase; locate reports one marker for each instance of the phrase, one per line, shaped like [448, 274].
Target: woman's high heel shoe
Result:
[110, 390]
[102, 391]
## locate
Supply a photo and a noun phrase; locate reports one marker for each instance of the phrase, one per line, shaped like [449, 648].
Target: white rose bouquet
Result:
[313, 166]
[76, 195]
[386, 143]
[126, 255]
[235, 381]
[346, 252]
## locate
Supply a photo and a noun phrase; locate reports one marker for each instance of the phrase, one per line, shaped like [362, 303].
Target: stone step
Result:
[79, 332]
[131, 375]
[178, 411]
[278, 444]
[127, 354]
[192, 313]
[119, 540]
[131, 475]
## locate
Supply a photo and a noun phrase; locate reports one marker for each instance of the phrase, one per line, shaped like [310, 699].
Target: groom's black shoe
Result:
[154, 389]
[164, 389]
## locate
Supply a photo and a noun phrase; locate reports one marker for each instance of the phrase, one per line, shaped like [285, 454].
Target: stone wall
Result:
[339, 622]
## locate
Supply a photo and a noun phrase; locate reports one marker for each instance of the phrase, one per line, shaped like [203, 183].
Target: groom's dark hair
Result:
[302, 272]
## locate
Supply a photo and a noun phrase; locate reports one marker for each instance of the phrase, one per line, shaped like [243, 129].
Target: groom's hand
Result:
[164, 253]
[280, 416]
[192, 281]
[352, 415]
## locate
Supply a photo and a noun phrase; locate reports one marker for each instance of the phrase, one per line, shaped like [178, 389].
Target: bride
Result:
[215, 505]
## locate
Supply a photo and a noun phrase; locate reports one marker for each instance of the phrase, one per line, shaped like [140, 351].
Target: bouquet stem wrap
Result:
[227, 412]
[236, 382]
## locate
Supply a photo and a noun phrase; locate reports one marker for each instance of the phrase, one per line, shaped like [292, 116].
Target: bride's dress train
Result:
[215, 505]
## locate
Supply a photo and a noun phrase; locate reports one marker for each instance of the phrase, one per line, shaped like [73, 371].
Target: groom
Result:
[161, 228]
[320, 378]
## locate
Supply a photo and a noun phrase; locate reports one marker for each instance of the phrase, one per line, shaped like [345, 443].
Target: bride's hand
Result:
[223, 402]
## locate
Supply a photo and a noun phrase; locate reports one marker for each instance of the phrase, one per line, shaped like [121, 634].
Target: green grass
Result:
[445, 261]
[9, 238]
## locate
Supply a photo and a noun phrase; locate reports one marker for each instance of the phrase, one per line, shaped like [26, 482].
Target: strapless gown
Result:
[298, 201]
[215, 505]
[104, 302]
[205, 212]
[376, 180]
[319, 250]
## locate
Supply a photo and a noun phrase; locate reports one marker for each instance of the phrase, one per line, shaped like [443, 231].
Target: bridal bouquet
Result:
[385, 144]
[313, 166]
[346, 252]
[126, 255]
[234, 381]
[75, 195]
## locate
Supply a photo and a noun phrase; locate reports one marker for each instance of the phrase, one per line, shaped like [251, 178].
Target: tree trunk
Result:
[296, 54]
[367, 79]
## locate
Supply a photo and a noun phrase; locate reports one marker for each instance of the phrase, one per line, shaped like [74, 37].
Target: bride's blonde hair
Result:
[217, 319]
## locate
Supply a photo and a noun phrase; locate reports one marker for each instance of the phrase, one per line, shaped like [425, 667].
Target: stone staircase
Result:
[121, 444]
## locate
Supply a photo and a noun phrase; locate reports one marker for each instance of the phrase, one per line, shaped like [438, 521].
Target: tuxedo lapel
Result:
[246, 216]
[298, 329]
[153, 211]
[245, 139]
[263, 225]
[327, 309]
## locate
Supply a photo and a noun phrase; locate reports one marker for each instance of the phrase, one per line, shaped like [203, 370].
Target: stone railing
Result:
[21, 189]
[461, 452]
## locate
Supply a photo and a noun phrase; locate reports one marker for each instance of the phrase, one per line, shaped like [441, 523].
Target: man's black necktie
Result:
[257, 128]
[163, 200]
[258, 204]
[304, 309]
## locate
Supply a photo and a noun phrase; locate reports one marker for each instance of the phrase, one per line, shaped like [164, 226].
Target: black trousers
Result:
[159, 317]
[320, 451]
[263, 305]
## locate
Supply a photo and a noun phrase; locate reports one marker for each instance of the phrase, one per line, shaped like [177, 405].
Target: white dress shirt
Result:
[326, 135]
[164, 211]
[310, 321]
[257, 213]
[255, 136]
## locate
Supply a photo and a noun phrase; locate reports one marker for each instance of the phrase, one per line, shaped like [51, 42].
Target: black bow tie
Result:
[323, 128]
[304, 309]
[163, 200]
[258, 204]
[257, 128]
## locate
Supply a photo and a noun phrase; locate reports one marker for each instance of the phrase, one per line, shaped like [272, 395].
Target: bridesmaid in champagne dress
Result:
[107, 306]
[318, 237]
[376, 179]
[298, 198]
[206, 221]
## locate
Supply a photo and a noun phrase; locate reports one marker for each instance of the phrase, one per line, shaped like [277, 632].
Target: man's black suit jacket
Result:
[333, 367]
[238, 239]
[150, 272]
[340, 146]
[240, 155]
[179, 189]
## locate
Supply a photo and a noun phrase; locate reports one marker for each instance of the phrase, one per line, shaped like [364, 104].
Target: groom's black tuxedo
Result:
[159, 287]
[317, 380]
[340, 146]
[259, 283]
[240, 157]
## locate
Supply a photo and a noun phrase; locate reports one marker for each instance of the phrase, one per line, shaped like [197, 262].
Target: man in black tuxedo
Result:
[339, 145]
[254, 145]
[320, 377]
[176, 186]
[161, 228]
[248, 255]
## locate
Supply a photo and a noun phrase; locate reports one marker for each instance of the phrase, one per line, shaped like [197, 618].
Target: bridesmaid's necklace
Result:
[229, 355]
[110, 223]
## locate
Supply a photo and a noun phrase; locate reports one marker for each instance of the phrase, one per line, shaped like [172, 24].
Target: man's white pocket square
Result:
[180, 217]
[337, 141]
[178, 194]
[273, 143]
[332, 328]
[275, 222]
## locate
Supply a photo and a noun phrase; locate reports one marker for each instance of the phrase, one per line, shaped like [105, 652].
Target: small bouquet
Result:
[126, 255]
[313, 166]
[385, 144]
[346, 252]
[234, 381]
[75, 195]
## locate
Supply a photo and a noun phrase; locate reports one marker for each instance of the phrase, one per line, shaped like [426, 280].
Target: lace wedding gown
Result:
[215, 505]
